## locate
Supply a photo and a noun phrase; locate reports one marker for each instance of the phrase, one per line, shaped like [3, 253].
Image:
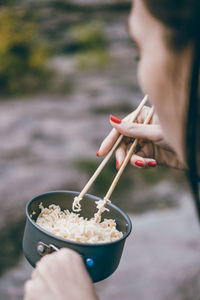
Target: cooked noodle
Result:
[71, 226]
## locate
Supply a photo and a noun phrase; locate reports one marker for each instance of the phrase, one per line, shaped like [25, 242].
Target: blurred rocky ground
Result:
[49, 141]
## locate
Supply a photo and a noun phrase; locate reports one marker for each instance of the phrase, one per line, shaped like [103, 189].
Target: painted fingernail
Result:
[152, 164]
[97, 154]
[139, 163]
[117, 164]
[115, 119]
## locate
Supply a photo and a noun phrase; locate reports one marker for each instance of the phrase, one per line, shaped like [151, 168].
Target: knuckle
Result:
[27, 286]
[34, 274]
[43, 260]
[68, 254]
[43, 263]
[131, 127]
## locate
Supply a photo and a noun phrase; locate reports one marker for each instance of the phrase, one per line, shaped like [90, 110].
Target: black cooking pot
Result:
[101, 260]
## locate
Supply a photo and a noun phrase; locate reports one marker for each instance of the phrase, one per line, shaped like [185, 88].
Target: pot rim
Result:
[129, 227]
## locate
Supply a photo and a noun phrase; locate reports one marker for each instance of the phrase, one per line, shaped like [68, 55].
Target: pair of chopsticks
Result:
[130, 118]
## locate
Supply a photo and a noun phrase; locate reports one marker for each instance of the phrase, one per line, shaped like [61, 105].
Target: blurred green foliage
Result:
[7, 2]
[103, 182]
[153, 175]
[26, 46]
[127, 194]
[89, 36]
[11, 238]
[89, 44]
[92, 59]
[22, 54]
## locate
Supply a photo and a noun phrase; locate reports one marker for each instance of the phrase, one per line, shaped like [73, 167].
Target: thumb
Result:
[148, 132]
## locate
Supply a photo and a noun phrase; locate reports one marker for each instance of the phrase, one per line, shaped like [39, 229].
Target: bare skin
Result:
[153, 146]
[163, 75]
[58, 276]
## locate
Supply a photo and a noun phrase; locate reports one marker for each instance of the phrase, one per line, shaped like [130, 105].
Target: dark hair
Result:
[182, 21]
[181, 18]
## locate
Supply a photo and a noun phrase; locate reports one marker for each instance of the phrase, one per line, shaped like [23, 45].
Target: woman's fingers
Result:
[120, 154]
[151, 141]
[136, 160]
[141, 131]
[148, 132]
[142, 162]
[142, 159]
[108, 142]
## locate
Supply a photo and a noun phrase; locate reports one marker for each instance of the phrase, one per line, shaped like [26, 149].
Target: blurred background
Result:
[64, 67]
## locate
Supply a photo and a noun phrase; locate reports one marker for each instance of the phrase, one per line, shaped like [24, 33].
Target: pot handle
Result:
[43, 249]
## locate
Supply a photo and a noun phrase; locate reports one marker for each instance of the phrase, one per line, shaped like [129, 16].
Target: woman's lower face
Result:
[166, 81]
[163, 74]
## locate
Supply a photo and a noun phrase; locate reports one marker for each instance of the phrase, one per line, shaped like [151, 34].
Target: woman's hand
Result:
[60, 276]
[152, 146]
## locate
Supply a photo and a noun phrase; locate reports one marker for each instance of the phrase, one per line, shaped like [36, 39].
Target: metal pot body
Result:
[101, 260]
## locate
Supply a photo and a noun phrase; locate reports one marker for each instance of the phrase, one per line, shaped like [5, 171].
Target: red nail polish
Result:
[115, 119]
[97, 154]
[117, 164]
[139, 163]
[152, 164]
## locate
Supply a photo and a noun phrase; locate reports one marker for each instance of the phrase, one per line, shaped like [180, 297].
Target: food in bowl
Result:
[73, 227]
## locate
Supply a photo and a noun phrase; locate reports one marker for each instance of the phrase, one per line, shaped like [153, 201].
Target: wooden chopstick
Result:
[119, 173]
[130, 118]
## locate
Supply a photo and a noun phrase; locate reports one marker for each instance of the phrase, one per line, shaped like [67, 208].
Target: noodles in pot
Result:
[70, 225]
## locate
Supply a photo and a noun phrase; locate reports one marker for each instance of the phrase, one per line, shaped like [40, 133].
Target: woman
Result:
[167, 36]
